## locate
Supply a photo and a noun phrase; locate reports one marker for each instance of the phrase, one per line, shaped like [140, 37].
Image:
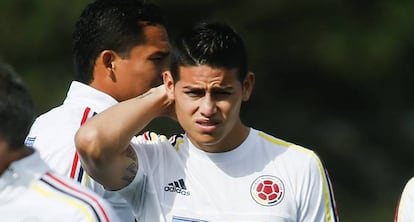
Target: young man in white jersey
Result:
[29, 189]
[120, 49]
[220, 169]
[404, 212]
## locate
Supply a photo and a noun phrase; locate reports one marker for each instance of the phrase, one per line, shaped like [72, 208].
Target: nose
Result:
[207, 106]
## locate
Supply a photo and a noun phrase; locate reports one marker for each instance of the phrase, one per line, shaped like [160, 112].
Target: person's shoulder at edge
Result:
[95, 204]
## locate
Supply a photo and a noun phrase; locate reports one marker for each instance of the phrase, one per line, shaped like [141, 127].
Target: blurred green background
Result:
[333, 76]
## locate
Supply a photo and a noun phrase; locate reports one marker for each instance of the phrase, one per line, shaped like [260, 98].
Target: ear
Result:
[248, 84]
[107, 58]
[106, 61]
[169, 83]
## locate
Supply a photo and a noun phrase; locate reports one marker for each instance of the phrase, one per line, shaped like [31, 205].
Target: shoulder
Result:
[59, 123]
[409, 188]
[154, 144]
[73, 195]
[57, 120]
[275, 143]
[406, 203]
[149, 137]
[150, 142]
[49, 133]
[287, 150]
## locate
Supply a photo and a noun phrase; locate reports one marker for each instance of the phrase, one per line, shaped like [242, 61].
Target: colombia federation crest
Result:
[267, 190]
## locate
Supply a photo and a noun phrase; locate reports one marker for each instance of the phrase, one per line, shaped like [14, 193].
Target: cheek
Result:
[184, 107]
[183, 116]
[180, 105]
[152, 67]
[153, 74]
[230, 108]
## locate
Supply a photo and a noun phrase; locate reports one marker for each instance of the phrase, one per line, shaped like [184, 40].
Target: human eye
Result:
[194, 93]
[222, 94]
[158, 57]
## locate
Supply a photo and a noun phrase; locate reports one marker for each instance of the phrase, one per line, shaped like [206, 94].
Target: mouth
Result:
[207, 126]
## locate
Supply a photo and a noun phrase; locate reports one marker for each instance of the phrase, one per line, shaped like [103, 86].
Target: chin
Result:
[207, 140]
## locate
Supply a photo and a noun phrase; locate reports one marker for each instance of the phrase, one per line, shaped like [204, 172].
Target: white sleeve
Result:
[317, 201]
[406, 205]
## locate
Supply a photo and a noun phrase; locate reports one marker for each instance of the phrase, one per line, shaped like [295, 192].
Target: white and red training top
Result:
[264, 179]
[53, 135]
[30, 191]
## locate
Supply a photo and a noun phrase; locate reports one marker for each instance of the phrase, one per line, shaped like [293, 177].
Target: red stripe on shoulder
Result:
[85, 115]
[76, 157]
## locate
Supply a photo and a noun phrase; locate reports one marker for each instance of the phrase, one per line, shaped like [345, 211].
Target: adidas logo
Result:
[177, 187]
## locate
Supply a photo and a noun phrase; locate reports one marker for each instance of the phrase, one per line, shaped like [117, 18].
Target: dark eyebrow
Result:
[192, 88]
[223, 88]
[219, 88]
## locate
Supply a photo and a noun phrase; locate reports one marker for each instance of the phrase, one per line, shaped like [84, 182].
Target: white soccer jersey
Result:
[53, 135]
[30, 191]
[264, 179]
[406, 205]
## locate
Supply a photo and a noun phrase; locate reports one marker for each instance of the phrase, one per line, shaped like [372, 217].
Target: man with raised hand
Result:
[120, 49]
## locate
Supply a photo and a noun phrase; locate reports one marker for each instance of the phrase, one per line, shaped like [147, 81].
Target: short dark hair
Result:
[16, 107]
[110, 25]
[214, 44]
